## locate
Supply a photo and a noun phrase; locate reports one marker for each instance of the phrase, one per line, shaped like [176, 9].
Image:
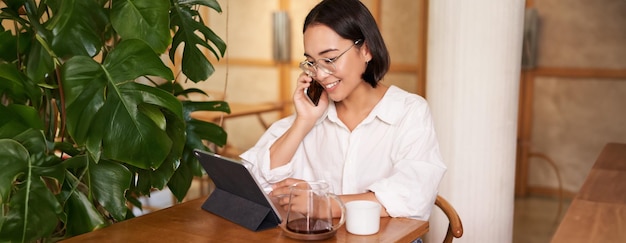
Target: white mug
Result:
[362, 217]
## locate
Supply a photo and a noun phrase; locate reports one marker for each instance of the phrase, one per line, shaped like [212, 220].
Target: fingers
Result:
[285, 184]
[283, 188]
[304, 80]
[296, 204]
[288, 199]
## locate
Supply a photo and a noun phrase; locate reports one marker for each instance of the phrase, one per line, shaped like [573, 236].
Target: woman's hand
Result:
[282, 190]
[304, 108]
[307, 114]
[296, 196]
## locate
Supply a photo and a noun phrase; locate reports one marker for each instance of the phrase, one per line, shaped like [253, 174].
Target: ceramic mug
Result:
[362, 217]
[310, 209]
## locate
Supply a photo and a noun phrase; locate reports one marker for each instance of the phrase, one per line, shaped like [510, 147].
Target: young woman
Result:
[367, 140]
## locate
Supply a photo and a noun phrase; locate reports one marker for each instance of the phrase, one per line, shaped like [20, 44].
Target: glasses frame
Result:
[310, 68]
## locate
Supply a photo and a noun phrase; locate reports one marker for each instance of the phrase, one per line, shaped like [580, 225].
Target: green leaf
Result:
[150, 143]
[134, 201]
[175, 130]
[14, 119]
[12, 82]
[103, 105]
[197, 131]
[26, 115]
[76, 27]
[39, 63]
[32, 212]
[151, 21]
[13, 4]
[200, 130]
[191, 106]
[189, 24]
[208, 131]
[13, 163]
[17, 86]
[35, 142]
[66, 148]
[82, 216]
[190, 91]
[109, 181]
[181, 181]
[209, 3]
[76, 162]
[154, 113]
[149, 179]
[8, 46]
[32, 208]
[132, 59]
[85, 83]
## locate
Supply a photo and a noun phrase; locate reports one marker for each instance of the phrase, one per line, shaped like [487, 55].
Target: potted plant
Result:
[80, 137]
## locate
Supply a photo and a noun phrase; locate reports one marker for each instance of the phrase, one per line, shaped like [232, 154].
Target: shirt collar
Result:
[388, 109]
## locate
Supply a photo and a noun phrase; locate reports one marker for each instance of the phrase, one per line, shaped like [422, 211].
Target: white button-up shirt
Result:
[393, 152]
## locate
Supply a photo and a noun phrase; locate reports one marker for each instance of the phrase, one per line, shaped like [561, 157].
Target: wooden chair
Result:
[455, 227]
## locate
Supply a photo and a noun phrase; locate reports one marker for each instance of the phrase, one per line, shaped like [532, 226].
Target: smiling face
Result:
[320, 42]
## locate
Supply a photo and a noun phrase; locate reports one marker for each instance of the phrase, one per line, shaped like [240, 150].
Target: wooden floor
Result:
[536, 218]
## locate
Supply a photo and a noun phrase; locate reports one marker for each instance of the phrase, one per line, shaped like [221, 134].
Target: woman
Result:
[367, 140]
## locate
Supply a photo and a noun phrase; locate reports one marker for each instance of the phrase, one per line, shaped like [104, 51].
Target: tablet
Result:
[237, 197]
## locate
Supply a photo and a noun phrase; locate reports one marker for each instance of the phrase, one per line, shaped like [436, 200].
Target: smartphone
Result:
[314, 92]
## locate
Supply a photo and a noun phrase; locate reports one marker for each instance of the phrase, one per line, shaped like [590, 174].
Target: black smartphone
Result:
[314, 92]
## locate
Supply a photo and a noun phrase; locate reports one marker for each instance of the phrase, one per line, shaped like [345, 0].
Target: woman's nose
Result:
[320, 74]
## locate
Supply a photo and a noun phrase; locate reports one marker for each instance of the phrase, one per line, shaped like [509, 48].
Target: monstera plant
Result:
[91, 117]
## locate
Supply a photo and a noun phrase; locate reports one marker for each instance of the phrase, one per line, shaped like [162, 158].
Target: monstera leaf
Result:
[104, 105]
[82, 215]
[77, 25]
[197, 132]
[188, 22]
[17, 86]
[32, 208]
[152, 27]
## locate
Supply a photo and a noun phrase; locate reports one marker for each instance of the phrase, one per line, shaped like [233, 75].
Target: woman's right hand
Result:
[307, 114]
[304, 108]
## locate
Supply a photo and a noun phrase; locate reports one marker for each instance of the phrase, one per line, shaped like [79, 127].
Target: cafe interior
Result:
[570, 96]
[519, 135]
[571, 89]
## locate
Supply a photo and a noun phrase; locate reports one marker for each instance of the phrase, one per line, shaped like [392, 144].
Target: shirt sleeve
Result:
[258, 157]
[411, 189]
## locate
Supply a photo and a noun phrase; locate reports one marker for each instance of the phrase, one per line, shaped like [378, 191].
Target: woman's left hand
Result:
[282, 189]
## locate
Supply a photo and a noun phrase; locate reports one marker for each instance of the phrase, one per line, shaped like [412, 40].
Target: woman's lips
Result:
[331, 85]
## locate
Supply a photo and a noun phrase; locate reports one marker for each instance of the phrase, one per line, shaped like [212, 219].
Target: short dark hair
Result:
[353, 21]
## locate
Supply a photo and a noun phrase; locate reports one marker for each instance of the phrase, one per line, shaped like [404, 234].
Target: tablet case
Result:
[237, 196]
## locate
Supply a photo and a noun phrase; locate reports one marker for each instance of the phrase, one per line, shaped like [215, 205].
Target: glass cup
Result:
[310, 209]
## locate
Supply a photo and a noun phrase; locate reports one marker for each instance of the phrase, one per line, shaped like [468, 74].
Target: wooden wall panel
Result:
[572, 102]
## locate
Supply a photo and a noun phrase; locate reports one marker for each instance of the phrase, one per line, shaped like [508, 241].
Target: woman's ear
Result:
[365, 52]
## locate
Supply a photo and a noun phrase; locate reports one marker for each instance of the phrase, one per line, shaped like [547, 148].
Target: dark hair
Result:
[353, 21]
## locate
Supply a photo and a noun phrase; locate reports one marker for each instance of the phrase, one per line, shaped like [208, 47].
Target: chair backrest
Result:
[455, 227]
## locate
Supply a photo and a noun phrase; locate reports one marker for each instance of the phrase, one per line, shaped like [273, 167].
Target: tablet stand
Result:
[241, 211]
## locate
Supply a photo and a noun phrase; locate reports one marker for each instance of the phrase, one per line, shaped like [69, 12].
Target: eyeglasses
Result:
[327, 65]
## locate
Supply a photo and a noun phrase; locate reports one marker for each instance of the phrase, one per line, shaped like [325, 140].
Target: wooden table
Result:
[598, 212]
[187, 222]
